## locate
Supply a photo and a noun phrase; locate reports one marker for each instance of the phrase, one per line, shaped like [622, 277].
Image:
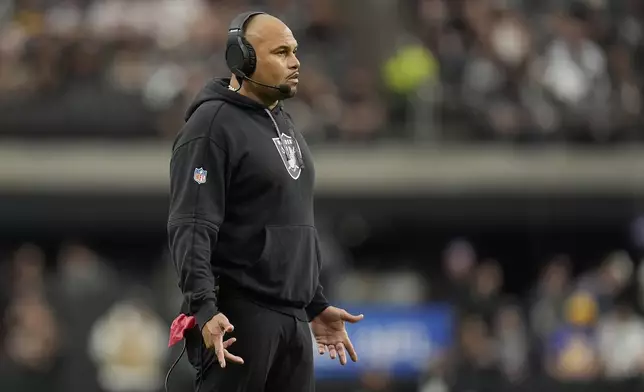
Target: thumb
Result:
[348, 317]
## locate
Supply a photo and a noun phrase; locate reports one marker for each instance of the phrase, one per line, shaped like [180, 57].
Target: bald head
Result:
[275, 51]
[262, 26]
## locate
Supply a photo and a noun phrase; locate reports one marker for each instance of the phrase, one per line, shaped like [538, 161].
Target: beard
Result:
[292, 93]
[275, 95]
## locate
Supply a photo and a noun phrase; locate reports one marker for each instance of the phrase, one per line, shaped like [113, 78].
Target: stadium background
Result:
[481, 173]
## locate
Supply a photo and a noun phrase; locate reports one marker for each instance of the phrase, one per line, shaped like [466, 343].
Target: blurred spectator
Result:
[546, 312]
[572, 352]
[609, 280]
[87, 287]
[31, 348]
[24, 275]
[576, 75]
[27, 275]
[621, 342]
[128, 345]
[513, 344]
[495, 78]
[458, 261]
[486, 295]
[477, 366]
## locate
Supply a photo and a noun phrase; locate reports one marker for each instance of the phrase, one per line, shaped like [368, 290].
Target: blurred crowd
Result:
[543, 70]
[452, 70]
[84, 324]
[571, 328]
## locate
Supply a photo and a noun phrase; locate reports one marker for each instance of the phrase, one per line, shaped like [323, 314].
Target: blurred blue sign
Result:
[399, 340]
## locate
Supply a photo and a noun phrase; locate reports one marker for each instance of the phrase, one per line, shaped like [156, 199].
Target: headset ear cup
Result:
[235, 59]
[250, 60]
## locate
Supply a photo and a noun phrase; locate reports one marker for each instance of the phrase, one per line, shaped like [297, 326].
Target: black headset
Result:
[240, 54]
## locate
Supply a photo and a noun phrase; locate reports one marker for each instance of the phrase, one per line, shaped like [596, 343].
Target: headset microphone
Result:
[282, 88]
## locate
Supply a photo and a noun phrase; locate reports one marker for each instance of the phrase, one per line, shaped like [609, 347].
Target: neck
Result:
[247, 91]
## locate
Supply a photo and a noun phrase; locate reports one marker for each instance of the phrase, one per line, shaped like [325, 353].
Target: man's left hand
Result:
[331, 335]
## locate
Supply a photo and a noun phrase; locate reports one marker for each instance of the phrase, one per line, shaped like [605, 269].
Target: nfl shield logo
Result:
[200, 175]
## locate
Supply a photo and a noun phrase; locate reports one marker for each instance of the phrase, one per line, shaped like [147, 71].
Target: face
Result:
[573, 29]
[459, 260]
[277, 63]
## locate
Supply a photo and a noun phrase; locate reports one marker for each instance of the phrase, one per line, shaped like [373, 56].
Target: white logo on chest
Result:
[287, 153]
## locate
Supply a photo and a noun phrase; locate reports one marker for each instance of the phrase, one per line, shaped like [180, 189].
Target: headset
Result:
[240, 54]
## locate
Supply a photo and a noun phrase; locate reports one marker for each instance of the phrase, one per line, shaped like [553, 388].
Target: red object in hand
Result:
[179, 327]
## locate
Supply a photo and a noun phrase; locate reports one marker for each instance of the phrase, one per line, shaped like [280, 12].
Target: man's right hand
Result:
[213, 337]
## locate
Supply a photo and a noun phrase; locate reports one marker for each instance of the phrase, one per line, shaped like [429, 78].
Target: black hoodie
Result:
[241, 207]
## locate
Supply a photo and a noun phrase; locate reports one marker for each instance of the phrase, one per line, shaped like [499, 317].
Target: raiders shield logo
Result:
[287, 153]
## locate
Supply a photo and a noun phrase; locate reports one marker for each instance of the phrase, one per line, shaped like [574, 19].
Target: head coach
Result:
[241, 228]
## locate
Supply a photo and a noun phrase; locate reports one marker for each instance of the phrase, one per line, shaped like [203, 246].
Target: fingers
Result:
[233, 358]
[223, 355]
[341, 353]
[348, 317]
[351, 350]
[332, 351]
[220, 347]
[219, 351]
[229, 342]
[339, 350]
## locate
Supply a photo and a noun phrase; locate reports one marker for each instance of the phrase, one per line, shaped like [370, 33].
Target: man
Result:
[241, 228]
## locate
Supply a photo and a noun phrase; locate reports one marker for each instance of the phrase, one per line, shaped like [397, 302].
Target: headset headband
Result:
[237, 25]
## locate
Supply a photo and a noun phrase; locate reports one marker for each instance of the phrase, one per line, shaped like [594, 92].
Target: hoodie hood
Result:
[217, 90]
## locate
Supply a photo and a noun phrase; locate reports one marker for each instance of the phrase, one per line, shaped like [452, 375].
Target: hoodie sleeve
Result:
[319, 301]
[317, 305]
[198, 184]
